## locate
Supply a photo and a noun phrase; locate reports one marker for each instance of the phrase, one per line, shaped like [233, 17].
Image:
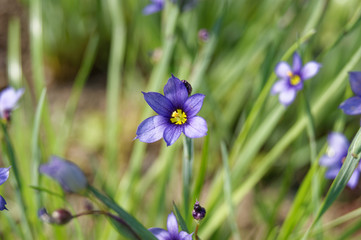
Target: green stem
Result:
[35, 152]
[134, 225]
[315, 187]
[18, 186]
[188, 156]
[116, 59]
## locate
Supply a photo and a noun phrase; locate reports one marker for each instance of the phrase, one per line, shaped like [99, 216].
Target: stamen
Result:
[294, 78]
[178, 117]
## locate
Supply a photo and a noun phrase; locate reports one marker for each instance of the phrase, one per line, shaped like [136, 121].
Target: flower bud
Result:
[61, 216]
[66, 173]
[203, 35]
[198, 212]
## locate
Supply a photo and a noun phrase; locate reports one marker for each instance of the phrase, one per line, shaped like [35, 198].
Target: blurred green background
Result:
[95, 58]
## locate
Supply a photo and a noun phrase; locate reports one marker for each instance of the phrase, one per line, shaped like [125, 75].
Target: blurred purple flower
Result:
[172, 233]
[333, 159]
[177, 113]
[352, 106]
[203, 35]
[291, 80]
[158, 5]
[155, 6]
[185, 5]
[4, 175]
[8, 101]
[66, 173]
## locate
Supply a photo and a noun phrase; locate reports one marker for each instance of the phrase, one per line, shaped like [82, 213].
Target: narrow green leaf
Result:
[342, 178]
[187, 163]
[199, 181]
[41, 189]
[135, 228]
[180, 219]
[232, 220]
[35, 153]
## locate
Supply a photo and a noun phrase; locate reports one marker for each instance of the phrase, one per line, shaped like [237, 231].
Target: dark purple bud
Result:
[198, 211]
[203, 35]
[188, 86]
[61, 216]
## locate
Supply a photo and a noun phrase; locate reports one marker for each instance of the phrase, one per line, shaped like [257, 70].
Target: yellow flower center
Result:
[294, 78]
[178, 117]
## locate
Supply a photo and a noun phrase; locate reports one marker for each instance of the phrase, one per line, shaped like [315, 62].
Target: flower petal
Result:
[196, 127]
[332, 173]
[282, 70]
[193, 104]
[288, 96]
[310, 70]
[66, 173]
[9, 98]
[185, 236]
[339, 143]
[297, 63]
[4, 175]
[279, 86]
[176, 92]
[2, 203]
[159, 233]
[351, 106]
[172, 133]
[172, 225]
[152, 129]
[327, 161]
[355, 82]
[352, 183]
[153, 8]
[159, 103]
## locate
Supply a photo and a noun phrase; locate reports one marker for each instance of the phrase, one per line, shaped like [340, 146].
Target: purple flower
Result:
[291, 80]
[66, 173]
[177, 113]
[333, 159]
[155, 6]
[4, 175]
[172, 233]
[352, 106]
[203, 35]
[8, 101]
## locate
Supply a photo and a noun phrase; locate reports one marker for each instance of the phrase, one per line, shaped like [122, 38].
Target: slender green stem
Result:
[80, 80]
[18, 183]
[35, 152]
[36, 50]
[14, 56]
[338, 221]
[315, 187]
[116, 59]
[196, 232]
[228, 194]
[188, 156]
[134, 225]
